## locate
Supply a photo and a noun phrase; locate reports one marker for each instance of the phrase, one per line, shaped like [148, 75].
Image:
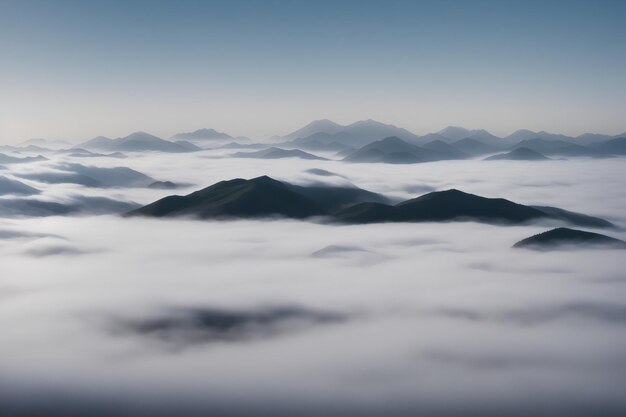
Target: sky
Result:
[74, 69]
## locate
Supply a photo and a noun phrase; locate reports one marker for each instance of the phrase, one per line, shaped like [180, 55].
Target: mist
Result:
[132, 316]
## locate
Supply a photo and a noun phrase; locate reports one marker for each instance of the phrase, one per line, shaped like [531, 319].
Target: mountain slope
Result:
[562, 236]
[258, 197]
[394, 150]
[202, 134]
[518, 154]
[277, 153]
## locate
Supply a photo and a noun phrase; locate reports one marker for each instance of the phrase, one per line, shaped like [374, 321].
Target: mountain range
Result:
[267, 197]
[136, 142]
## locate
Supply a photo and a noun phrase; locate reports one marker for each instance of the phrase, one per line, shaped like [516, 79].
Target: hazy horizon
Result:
[74, 70]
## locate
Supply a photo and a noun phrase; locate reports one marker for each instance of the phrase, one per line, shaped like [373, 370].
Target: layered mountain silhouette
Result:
[325, 135]
[277, 153]
[202, 134]
[7, 159]
[266, 197]
[518, 154]
[474, 147]
[562, 236]
[353, 135]
[258, 197]
[135, 142]
[90, 176]
[394, 150]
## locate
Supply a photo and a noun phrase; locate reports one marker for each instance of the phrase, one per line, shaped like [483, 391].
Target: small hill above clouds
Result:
[202, 134]
[562, 237]
[277, 153]
[519, 154]
[394, 150]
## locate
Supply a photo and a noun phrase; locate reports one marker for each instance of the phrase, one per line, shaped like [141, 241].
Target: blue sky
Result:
[77, 69]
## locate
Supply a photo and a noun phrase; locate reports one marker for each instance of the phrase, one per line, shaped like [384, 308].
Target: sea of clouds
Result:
[131, 316]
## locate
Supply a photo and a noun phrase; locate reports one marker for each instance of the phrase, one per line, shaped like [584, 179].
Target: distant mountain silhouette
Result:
[135, 142]
[525, 134]
[445, 148]
[277, 153]
[163, 185]
[474, 147]
[394, 150]
[202, 134]
[615, 146]
[518, 154]
[556, 147]
[562, 236]
[90, 176]
[6, 159]
[258, 197]
[316, 126]
[45, 143]
[353, 135]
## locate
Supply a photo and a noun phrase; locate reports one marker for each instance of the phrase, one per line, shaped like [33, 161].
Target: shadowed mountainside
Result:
[266, 197]
[562, 236]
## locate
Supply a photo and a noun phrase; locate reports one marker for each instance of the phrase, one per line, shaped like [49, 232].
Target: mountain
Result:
[563, 236]
[188, 145]
[202, 134]
[445, 148]
[258, 197]
[277, 153]
[442, 206]
[316, 126]
[474, 147]
[91, 176]
[615, 146]
[321, 141]
[525, 134]
[556, 147]
[457, 205]
[518, 154]
[592, 138]
[574, 218]
[135, 142]
[46, 143]
[353, 135]
[7, 159]
[9, 186]
[266, 197]
[455, 133]
[393, 150]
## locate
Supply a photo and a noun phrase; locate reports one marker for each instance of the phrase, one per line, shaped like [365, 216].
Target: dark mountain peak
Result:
[258, 197]
[563, 236]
